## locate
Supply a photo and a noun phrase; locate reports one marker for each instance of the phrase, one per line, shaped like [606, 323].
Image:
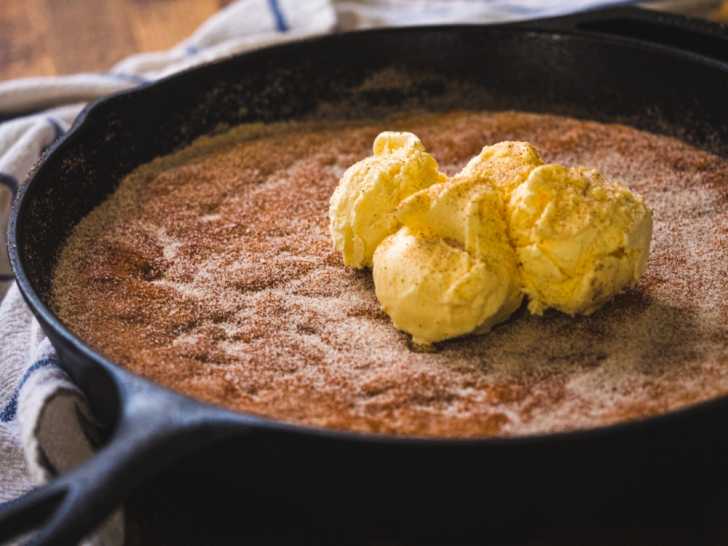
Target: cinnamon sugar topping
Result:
[211, 271]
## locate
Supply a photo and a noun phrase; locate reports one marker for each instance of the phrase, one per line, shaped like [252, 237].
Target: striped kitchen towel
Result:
[41, 412]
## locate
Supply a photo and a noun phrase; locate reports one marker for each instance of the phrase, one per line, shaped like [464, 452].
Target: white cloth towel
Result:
[40, 409]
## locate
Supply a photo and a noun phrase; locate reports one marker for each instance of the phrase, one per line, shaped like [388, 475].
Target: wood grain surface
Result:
[47, 37]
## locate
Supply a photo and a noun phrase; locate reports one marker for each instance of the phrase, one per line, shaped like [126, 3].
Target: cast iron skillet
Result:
[662, 73]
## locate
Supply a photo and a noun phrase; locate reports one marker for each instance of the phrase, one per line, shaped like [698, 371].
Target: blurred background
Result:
[47, 37]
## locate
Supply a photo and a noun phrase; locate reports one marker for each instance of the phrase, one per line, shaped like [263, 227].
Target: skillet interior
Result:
[211, 272]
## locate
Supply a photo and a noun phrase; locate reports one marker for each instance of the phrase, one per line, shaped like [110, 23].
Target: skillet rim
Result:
[121, 377]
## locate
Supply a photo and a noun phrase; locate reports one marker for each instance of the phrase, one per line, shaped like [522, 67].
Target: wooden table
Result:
[46, 37]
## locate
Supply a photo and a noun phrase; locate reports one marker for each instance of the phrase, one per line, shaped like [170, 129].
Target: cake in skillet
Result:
[211, 271]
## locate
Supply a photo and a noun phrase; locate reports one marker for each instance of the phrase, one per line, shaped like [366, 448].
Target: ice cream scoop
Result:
[361, 210]
[579, 239]
[450, 270]
[434, 290]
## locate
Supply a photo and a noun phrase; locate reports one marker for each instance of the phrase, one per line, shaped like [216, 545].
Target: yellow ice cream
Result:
[455, 256]
[451, 270]
[579, 240]
[361, 211]
[504, 166]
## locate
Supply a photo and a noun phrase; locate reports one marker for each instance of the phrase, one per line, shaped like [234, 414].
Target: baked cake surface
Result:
[211, 271]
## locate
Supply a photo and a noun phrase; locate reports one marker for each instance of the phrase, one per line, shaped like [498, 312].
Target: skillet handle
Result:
[154, 431]
[697, 36]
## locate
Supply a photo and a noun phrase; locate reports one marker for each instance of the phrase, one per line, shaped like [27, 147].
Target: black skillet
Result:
[662, 73]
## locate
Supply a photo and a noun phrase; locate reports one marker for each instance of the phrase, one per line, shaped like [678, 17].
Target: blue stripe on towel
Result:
[58, 131]
[10, 410]
[9, 182]
[275, 9]
[518, 9]
[127, 77]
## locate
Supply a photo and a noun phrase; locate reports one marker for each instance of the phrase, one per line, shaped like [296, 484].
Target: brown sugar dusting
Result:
[211, 271]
